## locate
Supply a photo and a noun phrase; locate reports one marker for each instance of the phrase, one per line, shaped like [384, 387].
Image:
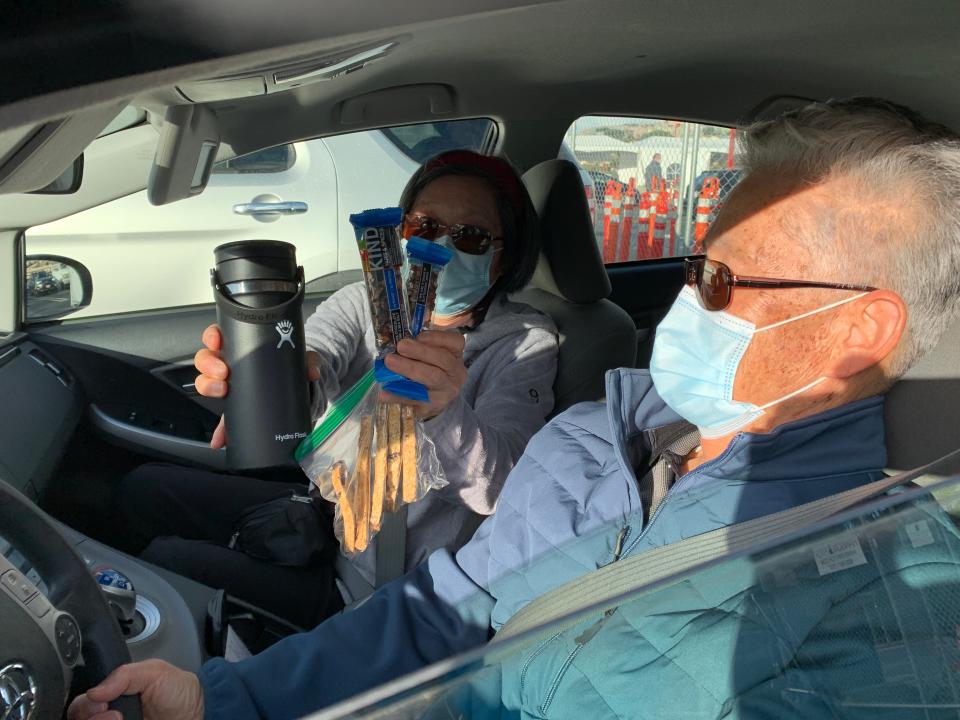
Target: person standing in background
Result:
[653, 171]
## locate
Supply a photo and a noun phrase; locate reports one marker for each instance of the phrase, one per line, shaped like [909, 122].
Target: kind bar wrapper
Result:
[381, 258]
[427, 260]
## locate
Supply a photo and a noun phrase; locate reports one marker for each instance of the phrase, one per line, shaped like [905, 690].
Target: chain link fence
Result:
[642, 169]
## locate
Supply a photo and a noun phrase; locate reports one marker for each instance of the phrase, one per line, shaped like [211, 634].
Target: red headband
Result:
[499, 172]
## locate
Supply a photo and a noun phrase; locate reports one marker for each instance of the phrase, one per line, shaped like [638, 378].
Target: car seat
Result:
[923, 409]
[571, 286]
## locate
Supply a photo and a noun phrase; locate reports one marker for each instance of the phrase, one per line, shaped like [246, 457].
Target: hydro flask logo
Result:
[285, 328]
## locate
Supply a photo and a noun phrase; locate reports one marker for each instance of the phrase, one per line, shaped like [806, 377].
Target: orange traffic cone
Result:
[615, 212]
[705, 205]
[629, 212]
[655, 193]
[660, 226]
[643, 223]
[607, 214]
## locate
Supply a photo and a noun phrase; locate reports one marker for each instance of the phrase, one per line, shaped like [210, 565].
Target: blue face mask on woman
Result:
[695, 359]
[464, 281]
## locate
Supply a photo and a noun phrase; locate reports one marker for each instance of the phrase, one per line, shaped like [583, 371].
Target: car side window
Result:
[143, 257]
[656, 184]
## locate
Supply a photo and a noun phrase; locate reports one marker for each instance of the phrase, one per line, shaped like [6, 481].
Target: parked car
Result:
[44, 283]
[333, 176]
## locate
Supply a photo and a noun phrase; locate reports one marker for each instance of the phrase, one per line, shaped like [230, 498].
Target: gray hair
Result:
[895, 157]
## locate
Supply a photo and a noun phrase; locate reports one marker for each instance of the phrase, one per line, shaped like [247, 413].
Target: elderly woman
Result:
[488, 364]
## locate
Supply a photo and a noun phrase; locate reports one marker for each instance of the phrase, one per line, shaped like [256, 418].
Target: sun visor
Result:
[406, 103]
[33, 157]
[188, 146]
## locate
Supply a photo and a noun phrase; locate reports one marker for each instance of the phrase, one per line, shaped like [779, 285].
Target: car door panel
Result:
[137, 374]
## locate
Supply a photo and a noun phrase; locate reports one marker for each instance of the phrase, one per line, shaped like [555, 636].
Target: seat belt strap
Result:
[391, 546]
[608, 584]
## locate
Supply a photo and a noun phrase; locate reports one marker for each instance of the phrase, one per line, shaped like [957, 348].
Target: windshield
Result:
[858, 619]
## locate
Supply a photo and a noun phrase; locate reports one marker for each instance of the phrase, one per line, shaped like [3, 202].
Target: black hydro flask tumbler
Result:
[259, 294]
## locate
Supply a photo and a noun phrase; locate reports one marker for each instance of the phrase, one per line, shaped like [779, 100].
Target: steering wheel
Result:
[42, 642]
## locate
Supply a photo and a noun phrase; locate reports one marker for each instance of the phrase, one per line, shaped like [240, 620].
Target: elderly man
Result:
[820, 287]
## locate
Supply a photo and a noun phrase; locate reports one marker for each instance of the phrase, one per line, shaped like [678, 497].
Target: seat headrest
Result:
[922, 410]
[570, 265]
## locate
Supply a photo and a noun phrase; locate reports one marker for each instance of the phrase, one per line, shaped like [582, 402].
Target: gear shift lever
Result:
[119, 593]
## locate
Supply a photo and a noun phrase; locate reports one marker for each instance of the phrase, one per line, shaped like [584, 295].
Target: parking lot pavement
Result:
[39, 306]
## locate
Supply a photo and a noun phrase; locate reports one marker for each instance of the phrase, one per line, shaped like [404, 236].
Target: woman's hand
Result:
[165, 692]
[435, 359]
[212, 380]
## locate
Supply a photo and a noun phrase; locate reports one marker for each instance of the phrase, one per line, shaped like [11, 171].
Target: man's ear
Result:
[872, 328]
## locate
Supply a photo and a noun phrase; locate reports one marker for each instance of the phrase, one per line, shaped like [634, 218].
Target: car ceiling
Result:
[533, 66]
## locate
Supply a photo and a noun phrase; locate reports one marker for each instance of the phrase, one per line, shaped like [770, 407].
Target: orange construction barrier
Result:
[611, 230]
[607, 212]
[643, 222]
[629, 212]
[656, 191]
[709, 194]
[659, 244]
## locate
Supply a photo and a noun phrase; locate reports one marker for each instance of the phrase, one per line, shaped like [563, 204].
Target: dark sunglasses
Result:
[715, 283]
[469, 239]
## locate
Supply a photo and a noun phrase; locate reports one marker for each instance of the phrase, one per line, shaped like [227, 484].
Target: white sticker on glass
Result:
[919, 534]
[840, 554]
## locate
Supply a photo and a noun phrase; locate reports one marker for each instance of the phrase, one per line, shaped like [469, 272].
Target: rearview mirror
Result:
[68, 183]
[55, 286]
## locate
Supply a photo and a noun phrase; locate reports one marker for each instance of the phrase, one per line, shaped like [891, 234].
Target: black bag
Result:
[291, 531]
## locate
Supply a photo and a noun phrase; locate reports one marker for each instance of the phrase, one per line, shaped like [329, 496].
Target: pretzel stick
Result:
[337, 477]
[409, 456]
[394, 458]
[362, 482]
[379, 470]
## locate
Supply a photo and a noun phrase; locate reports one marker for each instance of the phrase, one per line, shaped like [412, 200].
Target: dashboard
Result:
[43, 404]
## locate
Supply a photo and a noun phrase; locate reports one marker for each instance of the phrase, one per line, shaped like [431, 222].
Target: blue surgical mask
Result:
[464, 281]
[695, 358]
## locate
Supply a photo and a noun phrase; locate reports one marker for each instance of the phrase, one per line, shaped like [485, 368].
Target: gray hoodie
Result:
[511, 360]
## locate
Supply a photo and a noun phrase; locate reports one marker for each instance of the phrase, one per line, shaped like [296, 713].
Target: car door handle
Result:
[271, 208]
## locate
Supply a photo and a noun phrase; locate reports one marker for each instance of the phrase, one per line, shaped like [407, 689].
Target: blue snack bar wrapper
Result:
[397, 384]
[427, 260]
[381, 257]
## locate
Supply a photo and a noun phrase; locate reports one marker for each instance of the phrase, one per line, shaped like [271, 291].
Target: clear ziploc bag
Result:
[368, 458]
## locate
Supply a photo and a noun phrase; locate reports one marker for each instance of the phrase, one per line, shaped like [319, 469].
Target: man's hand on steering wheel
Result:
[165, 692]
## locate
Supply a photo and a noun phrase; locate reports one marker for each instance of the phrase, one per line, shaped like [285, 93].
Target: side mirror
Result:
[55, 286]
[68, 183]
